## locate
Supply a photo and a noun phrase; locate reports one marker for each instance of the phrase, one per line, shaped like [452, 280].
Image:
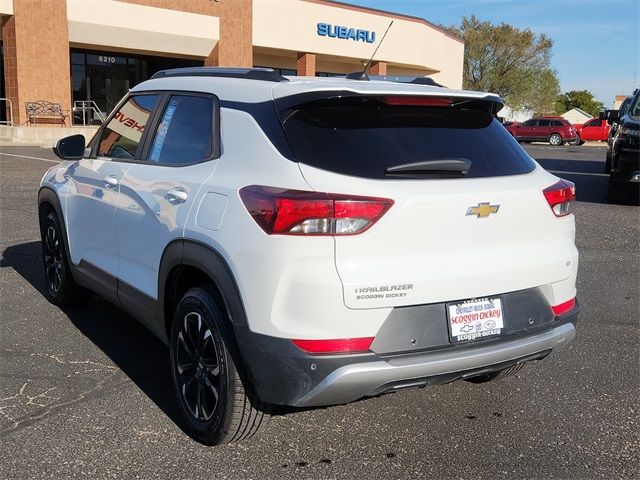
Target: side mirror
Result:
[614, 117]
[603, 114]
[70, 148]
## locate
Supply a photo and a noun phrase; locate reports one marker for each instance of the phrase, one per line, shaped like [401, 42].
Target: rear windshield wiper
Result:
[444, 166]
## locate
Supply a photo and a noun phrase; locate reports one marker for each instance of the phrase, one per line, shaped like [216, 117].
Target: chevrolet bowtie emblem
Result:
[483, 210]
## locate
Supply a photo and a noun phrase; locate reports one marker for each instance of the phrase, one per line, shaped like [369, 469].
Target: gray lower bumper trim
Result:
[352, 382]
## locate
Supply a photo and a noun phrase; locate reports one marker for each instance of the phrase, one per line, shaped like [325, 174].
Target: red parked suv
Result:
[555, 130]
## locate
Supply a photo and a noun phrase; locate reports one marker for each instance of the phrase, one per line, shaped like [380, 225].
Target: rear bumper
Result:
[285, 375]
[355, 381]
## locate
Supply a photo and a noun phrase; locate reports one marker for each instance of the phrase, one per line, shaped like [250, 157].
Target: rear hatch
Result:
[469, 218]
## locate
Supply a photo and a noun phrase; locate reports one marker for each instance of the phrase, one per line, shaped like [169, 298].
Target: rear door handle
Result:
[111, 181]
[177, 195]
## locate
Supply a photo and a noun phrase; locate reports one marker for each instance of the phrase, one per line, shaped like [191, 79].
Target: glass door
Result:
[117, 85]
[97, 81]
[107, 85]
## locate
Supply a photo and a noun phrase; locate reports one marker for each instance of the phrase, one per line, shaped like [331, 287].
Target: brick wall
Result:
[306, 64]
[36, 55]
[235, 48]
[378, 68]
[36, 46]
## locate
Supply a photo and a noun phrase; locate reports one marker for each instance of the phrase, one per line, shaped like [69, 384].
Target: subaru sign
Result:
[345, 33]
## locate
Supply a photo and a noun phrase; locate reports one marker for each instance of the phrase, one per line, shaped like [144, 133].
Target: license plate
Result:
[477, 318]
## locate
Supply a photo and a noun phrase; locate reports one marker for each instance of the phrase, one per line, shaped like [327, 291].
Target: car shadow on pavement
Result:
[139, 354]
[589, 177]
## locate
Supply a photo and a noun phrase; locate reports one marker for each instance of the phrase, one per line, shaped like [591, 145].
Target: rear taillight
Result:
[296, 212]
[559, 196]
[341, 345]
[563, 307]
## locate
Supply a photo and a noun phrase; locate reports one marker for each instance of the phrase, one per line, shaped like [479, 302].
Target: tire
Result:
[607, 163]
[60, 287]
[622, 193]
[555, 140]
[214, 394]
[575, 141]
[492, 376]
[613, 194]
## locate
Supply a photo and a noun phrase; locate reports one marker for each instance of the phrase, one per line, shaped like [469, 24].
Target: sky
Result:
[596, 42]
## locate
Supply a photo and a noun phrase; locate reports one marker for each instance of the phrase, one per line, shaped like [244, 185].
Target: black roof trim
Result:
[426, 81]
[264, 74]
[388, 78]
[357, 76]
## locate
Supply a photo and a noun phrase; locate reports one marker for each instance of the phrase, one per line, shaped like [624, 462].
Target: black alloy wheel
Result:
[60, 287]
[53, 259]
[214, 394]
[198, 362]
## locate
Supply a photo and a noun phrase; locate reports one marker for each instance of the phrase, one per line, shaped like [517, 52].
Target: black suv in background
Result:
[617, 114]
[624, 177]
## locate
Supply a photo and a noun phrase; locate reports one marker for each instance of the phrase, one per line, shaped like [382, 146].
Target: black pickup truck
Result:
[624, 174]
[617, 114]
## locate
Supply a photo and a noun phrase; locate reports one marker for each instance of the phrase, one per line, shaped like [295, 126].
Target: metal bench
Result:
[45, 112]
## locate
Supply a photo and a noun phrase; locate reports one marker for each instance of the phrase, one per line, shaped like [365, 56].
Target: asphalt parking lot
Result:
[85, 392]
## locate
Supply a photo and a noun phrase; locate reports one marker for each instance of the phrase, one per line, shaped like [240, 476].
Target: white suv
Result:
[312, 241]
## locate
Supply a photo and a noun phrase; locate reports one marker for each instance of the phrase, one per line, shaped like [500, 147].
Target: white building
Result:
[577, 116]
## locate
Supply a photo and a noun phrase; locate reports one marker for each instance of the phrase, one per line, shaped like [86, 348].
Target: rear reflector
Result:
[341, 345]
[411, 101]
[297, 212]
[559, 196]
[564, 307]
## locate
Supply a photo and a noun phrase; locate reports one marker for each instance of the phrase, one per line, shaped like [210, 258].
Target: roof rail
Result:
[264, 74]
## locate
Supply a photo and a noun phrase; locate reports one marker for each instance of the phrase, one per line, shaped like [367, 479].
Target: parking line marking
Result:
[32, 158]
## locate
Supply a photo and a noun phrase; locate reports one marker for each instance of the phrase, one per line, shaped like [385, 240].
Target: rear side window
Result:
[544, 123]
[634, 111]
[625, 105]
[557, 123]
[185, 132]
[364, 136]
[121, 136]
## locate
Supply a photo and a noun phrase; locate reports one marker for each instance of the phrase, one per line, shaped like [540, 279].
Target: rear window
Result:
[364, 136]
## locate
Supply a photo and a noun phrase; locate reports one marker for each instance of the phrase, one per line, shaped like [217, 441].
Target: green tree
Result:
[582, 99]
[541, 94]
[511, 62]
